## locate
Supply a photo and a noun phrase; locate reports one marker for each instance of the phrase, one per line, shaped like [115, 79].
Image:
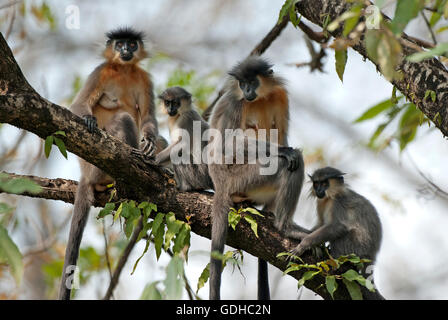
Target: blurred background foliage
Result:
[355, 126]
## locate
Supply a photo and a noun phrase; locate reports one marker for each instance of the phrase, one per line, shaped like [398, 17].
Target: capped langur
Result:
[347, 220]
[117, 97]
[255, 99]
[186, 130]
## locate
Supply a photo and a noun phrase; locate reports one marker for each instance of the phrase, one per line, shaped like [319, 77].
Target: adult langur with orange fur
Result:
[117, 97]
[255, 99]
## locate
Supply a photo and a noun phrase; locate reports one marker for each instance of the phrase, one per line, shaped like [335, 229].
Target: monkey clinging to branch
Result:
[117, 97]
[347, 220]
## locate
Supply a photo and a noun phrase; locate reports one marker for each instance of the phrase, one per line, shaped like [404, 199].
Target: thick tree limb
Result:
[417, 79]
[136, 178]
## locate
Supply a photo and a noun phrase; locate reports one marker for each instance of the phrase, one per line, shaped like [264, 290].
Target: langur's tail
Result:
[83, 202]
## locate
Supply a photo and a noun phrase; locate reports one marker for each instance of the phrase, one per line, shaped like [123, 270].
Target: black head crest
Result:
[125, 33]
[327, 173]
[175, 93]
[251, 67]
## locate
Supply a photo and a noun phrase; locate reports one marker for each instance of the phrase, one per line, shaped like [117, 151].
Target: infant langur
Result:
[347, 220]
[185, 151]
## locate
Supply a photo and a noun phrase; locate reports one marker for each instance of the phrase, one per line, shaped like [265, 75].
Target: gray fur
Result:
[346, 219]
[190, 176]
[246, 179]
[124, 128]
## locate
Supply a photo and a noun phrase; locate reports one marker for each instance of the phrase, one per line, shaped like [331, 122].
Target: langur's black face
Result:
[249, 88]
[320, 187]
[126, 48]
[172, 106]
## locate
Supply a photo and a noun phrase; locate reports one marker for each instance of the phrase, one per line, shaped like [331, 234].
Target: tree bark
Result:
[417, 78]
[136, 177]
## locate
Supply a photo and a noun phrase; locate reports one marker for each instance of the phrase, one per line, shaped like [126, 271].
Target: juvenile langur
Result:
[117, 97]
[186, 130]
[347, 220]
[255, 99]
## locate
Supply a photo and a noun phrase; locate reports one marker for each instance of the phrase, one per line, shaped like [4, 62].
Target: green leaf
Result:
[253, 224]
[307, 276]
[108, 209]
[439, 50]
[4, 208]
[61, 146]
[331, 285]
[293, 267]
[18, 185]
[144, 252]
[118, 213]
[252, 211]
[48, 145]
[174, 282]
[375, 110]
[352, 21]
[182, 238]
[233, 218]
[353, 289]
[405, 11]
[286, 8]
[59, 133]
[158, 240]
[158, 220]
[385, 50]
[351, 275]
[408, 125]
[10, 254]
[151, 292]
[341, 62]
[203, 278]
[173, 227]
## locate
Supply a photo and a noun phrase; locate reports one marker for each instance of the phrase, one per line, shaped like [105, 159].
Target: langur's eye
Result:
[132, 44]
[326, 183]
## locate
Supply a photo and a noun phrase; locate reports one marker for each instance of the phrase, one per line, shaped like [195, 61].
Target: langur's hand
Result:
[90, 122]
[301, 248]
[148, 146]
[292, 156]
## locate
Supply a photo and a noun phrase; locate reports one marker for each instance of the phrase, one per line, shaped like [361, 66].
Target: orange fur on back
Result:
[268, 112]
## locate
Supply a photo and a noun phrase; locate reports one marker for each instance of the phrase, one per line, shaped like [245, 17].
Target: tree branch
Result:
[417, 79]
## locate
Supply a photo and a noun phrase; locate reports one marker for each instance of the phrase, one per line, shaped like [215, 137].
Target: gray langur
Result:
[117, 97]
[184, 119]
[347, 220]
[255, 99]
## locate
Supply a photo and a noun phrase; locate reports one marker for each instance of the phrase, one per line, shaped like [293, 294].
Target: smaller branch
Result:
[11, 22]
[319, 37]
[431, 9]
[123, 259]
[437, 189]
[433, 36]
[106, 250]
[270, 37]
[316, 58]
[7, 5]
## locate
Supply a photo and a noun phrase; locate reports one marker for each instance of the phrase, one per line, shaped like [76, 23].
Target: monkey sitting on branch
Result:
[185, 152]
[347, 220]
[117, 97]
[255, 101]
